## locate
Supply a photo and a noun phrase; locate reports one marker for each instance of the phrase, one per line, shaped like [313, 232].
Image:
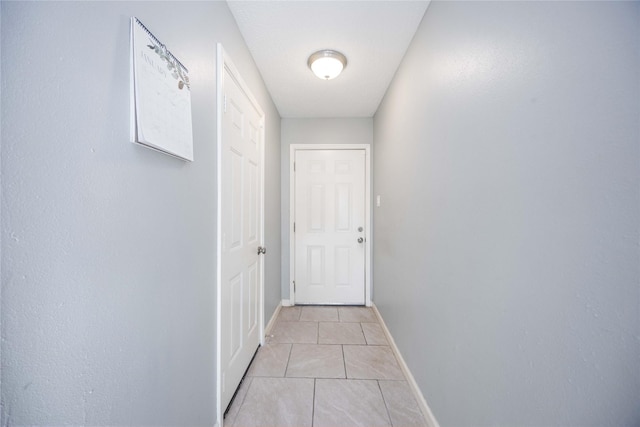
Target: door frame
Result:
[367, 202]
[223, 61]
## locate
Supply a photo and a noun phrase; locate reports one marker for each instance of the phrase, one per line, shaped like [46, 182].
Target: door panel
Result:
[329, 218]
[241, 222]
[342, 265]
[343, 207]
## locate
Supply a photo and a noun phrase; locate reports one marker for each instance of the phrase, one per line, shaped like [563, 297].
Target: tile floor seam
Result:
[271, 377]
[313, 402]
[363, 334]
[386, 406]
[286, 368]
[235, 417]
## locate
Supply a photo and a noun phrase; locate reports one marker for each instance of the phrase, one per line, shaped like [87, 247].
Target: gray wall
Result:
[506, 255]
[313, 131]
[108, 248]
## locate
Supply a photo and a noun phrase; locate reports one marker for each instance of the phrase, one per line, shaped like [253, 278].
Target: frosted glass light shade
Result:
[327, 64]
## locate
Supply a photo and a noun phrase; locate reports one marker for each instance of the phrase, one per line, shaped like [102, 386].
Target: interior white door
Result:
[241, 231]
[329, 227]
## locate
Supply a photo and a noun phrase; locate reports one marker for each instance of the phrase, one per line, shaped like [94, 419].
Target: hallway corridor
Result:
[325, 367]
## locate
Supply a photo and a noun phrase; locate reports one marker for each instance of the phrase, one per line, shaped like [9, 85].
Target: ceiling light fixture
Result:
[327, 64]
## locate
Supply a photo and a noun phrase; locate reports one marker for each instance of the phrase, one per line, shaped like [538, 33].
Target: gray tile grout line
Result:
[327, 378]
[242, 403]
[286, 368]
[385, 403]
[363, 334]
[313, 402]
[344, 363]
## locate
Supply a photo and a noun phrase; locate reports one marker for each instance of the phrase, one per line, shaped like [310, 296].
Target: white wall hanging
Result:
[160, 96]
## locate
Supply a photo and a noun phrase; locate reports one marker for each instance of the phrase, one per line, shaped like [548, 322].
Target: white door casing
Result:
[240, 268]
[330, 224]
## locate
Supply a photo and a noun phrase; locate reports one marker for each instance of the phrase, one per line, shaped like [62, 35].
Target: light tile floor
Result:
[325, 367]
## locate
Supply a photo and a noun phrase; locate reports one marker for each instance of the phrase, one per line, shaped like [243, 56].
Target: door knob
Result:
[360, 240]
[262, 250]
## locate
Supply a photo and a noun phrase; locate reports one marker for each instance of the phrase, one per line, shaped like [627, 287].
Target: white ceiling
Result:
[373, 35]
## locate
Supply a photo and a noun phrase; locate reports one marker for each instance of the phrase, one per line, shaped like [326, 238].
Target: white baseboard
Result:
[286, 303]
[272, 321]
[417, 393]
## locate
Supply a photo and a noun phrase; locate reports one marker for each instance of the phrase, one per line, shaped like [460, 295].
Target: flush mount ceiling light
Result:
[327, 64]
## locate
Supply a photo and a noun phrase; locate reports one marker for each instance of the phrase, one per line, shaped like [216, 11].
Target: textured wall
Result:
[506, 254]
[108, 248]
[272, 268]
[313, 131]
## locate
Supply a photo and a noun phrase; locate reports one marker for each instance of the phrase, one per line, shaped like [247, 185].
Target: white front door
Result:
[329, 221]
[241, 231]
